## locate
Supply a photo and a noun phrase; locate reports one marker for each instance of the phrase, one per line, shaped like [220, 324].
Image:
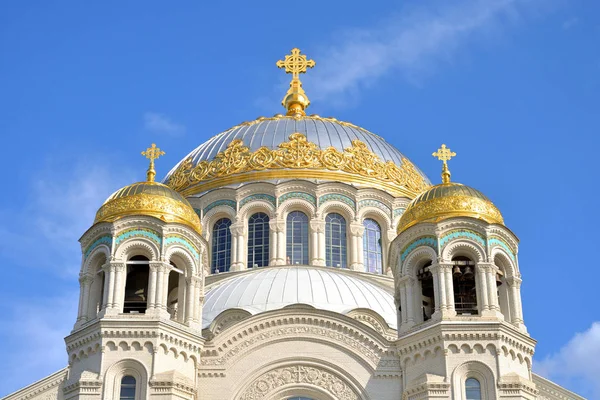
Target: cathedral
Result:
[298, 257]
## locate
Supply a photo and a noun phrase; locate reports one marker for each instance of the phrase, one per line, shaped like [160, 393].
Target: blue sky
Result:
[511, 85]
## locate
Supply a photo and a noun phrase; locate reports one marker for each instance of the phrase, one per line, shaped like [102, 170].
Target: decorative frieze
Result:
[337, 197]
[222, 202]
[298, 195]
[178, 239]
[105, 239]
[429, 241]
[135, 232]
[259, 196]
[461, 234]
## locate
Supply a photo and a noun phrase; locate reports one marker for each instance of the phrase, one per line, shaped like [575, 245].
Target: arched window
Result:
[221, 246]
[465, 294]
[372, 246]
[127, 388]
[335, 241]
[473, 389]
[136, 285]
[258, 240]
[297, 238]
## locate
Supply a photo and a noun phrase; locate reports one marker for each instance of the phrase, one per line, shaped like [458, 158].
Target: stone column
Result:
[444, 291]
[516, 310]
[105, 289]
[120, 273]
[357, 231]
[85, 282]
[449, 282]
[317, 244]
[152, 281]
[483, 302]
[277, 227]
[109, 272]
[238, 247]
[411, 316]
[188, 317]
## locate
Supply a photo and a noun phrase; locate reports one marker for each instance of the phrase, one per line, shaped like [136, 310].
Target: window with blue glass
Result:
[297, 238]
[258, 240]
[335, 241]
[221, 246]
[127, 388]
[372, 246]
[473, 389]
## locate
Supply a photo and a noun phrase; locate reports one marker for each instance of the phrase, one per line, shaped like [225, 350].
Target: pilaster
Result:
[317, 227]
[357, 231]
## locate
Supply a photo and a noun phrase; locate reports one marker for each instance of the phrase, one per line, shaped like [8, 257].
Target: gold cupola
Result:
[448, 200]
[149, 198]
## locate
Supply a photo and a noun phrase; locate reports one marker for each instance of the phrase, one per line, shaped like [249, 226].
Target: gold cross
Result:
[152, 153]
[295, 63]
[444, 154]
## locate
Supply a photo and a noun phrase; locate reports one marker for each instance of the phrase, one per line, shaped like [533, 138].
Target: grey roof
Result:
[270, 132]
[273, 288]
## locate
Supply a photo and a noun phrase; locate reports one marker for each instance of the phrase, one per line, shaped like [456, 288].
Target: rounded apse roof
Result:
[273, 288]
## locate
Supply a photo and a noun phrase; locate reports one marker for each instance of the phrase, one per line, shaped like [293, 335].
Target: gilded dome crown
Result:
[448, 200]
[149, 198]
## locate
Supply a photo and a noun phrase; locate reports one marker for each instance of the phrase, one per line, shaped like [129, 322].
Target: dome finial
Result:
[444, 154]
[295, 101]
[152, 153]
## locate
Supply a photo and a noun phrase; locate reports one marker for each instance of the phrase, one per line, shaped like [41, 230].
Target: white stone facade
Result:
[299, 350]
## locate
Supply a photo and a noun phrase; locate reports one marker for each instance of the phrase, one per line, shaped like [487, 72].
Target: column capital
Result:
[118, 265]
[317, 225]
[238, 229]
[85, 279]
[357, 229]
[277, 225]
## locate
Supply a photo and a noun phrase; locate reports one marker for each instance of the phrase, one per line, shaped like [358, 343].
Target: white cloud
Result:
[576, 365]
[160, 123]
[411, 44]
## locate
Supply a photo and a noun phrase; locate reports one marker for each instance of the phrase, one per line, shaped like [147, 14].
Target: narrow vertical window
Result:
[473, 389]
[297, 238]
[335, 241]
[221, 246]
[127, 388]
[258, 240]
[372, 246]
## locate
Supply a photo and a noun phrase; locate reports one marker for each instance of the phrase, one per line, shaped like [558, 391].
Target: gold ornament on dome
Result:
[164, 208]
[440, 208]
[295, 100]
[149, 198]
[298, 158]
[448, 200]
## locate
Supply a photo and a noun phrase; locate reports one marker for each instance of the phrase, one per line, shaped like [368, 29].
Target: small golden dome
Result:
[149, 198]
[448, 200]
[152, 199]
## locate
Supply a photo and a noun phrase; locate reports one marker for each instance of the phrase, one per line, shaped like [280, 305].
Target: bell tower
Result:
[138, 329]
[457, 286]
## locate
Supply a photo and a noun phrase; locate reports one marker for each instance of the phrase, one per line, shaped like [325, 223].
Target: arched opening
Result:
[472, 389]
[136, 285]
[221, 246]
[258, 240]
[336, 242]
[175, 300]
[465, 290]
[97, 289]
[503, 289]
[427, 294]
[297, 238]
[127, 391]
[372, 249]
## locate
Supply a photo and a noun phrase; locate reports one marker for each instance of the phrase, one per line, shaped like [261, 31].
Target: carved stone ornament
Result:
[267, 384]
[298, 154]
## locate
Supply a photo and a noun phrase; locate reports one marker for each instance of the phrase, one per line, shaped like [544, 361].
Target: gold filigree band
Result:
[441, 208]
[356, 164]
